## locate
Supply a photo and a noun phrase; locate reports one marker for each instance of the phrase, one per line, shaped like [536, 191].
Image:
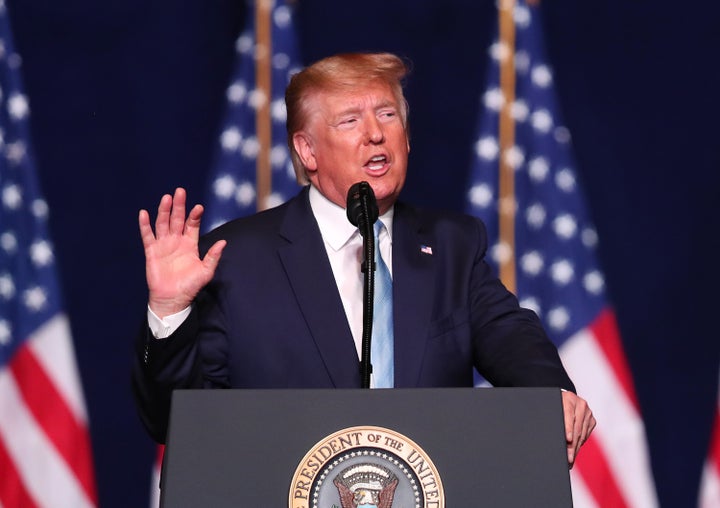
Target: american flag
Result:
[556, 269]
[233, 183]
[45, 456]
[710, 485]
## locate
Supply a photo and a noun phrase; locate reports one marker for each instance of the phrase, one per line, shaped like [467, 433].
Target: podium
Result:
[447, 447]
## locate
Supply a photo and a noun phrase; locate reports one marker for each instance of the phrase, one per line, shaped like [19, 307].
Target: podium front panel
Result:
[494, 447]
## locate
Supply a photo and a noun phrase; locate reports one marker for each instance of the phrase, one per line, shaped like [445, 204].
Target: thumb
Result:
[213, 255]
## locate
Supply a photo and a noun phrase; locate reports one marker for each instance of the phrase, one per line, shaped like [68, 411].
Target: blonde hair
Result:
[346, 71]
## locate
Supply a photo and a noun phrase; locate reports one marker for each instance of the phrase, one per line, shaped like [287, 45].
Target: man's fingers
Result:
[569, 432]
[577, 417]
[569, 402]
[146, 232]
[579, 421]
[574, 443]
[163, 216]
[192, 225]
[171, 216]
[177, 215]
[572, 449]
[585, 419]
[579, 424]
[588, 426]
[573, 438]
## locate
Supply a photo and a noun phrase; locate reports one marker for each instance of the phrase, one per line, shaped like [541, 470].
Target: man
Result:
[276, 300]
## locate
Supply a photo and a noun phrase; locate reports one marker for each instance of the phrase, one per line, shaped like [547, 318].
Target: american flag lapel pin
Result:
[426, 249]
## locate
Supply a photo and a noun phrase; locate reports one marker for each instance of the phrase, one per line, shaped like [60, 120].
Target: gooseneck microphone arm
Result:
[362, 212]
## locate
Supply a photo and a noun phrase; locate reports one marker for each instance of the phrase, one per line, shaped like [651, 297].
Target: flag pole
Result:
[507, 203]
[263, 81]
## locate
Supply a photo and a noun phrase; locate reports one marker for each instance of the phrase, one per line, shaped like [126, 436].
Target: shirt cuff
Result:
[163, 328]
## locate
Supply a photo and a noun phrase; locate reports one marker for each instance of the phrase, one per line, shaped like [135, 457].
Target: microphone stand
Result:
[368, 269]
[362, 212]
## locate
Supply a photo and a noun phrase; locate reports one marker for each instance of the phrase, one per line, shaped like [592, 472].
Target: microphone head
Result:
[361, 206]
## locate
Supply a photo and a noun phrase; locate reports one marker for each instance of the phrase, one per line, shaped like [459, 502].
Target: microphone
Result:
[362, 210]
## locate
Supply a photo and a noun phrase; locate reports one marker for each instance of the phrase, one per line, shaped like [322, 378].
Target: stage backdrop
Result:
[127, 98]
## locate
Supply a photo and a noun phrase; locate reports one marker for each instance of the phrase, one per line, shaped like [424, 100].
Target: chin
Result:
[385, 202]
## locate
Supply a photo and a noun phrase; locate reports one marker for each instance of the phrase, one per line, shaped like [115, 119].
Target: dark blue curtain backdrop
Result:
[126, 99]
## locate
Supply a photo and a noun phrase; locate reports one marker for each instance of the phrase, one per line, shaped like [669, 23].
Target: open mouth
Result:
[377, 162]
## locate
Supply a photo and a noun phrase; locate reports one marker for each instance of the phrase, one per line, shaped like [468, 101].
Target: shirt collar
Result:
[332, 220]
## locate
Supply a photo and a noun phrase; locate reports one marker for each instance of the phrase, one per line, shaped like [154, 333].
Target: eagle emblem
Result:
[366, 485]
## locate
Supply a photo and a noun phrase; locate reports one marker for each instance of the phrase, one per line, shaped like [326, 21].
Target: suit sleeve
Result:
[160, 366]
[511, 347]
[192, 357]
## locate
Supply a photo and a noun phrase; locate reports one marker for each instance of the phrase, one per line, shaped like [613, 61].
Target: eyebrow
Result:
[356, 109]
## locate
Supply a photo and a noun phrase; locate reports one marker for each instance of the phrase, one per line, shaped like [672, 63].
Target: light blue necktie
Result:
[381, 346]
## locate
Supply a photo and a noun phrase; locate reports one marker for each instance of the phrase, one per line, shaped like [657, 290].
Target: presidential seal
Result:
[366, 467]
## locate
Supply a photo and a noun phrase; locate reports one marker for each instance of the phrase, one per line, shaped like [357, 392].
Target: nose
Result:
[374, 131]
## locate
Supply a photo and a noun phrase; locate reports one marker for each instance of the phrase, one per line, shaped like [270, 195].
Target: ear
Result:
[304, 148]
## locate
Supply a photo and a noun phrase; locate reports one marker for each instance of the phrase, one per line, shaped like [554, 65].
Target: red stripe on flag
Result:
[12, 489]
[605, 330]
[156, 474]
[600, 480]
[714, 453]
[157, 468]
[160, 454]
[47, 405]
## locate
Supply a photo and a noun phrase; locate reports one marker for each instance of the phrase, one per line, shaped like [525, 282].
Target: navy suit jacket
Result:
[272, 316]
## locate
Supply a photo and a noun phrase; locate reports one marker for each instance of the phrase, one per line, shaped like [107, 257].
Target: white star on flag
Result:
[233, 190]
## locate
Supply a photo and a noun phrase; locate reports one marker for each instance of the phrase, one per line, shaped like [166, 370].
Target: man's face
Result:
[351, 136]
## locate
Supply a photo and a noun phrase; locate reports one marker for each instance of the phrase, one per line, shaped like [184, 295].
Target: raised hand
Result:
[173, 268]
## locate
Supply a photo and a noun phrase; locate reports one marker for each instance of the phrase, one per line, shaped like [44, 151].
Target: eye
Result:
[347, 122]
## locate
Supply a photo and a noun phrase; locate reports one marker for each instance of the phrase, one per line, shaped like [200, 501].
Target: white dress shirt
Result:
[344, 247]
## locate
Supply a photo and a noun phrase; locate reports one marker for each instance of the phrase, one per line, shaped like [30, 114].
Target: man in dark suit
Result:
[275, 300]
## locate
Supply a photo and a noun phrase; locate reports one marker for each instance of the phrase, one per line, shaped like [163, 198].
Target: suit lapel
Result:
[413, 290]
[312, 280]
